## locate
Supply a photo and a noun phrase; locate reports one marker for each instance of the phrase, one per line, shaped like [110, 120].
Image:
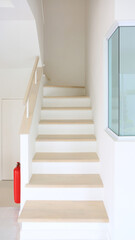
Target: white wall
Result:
[13, 83]
[125, 160]
[125, 190]
[65, 41]
[117, 158]
[12, 112]
[100, 16]
[124, 9]
[18, 48]
[18, 43]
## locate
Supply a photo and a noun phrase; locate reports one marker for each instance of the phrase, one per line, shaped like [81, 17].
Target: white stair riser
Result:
[66, 102]
[66, 129]
[66, 168]
[64, 226]
[60, 146]
[52, 91]
[63, 234]
[66, 114]
[73, 194]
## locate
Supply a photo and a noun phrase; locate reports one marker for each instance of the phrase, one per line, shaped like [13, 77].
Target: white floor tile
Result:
[9, 227]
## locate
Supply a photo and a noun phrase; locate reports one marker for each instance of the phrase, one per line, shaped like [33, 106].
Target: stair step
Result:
[65, 138]
[66, 121]
[43, 167]
[66, 101]
[62, 86]
[66, 113]
[66, 146]
[63, 91]
[59, 97]
[65, 187]
[63, 211]
[66, 108]
[65, 127]
[66, 157]
[65, 181]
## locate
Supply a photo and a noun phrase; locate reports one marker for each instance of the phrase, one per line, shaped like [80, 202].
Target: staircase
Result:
[64, 197]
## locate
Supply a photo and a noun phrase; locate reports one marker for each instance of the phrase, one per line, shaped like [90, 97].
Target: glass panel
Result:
[113, 65]
[127, 81]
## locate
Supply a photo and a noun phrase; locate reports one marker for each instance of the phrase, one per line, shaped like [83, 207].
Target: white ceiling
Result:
[15, 10]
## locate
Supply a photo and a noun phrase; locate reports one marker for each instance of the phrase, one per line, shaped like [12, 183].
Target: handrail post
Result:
[27, 109]
[35, 77]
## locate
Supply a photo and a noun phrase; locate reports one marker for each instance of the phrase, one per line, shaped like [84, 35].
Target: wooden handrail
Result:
[27, 120]
[31, 81]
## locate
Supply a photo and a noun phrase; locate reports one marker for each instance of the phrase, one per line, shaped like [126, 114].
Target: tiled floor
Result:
[7, 194]
[9, 227]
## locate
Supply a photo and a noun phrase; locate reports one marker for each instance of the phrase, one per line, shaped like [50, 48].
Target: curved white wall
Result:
[37, 10]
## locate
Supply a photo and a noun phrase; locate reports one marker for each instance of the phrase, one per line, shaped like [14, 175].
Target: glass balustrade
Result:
[121, 85]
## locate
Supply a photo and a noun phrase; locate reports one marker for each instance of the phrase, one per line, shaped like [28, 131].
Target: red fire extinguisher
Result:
[17, 183]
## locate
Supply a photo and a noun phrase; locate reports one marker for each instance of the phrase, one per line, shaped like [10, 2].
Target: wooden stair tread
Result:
[66, 157]
[63, 211]
[66, 96]
[66, 138]
[62, 86]
[66, 122]
[66, 180]
[66, 108]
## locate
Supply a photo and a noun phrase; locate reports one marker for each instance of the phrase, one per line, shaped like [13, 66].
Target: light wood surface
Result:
[62, 86]
[66, 97]
[66, 108]
[66, 122]
[63, 211]
[66, 157]
[31, 80]
[65, 138]
[65, 181]
[26, 122]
